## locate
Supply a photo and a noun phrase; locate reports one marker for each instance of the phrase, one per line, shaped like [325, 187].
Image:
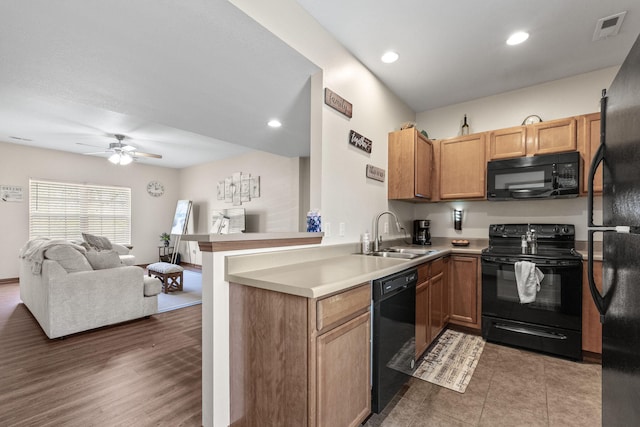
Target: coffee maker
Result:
[421, 234]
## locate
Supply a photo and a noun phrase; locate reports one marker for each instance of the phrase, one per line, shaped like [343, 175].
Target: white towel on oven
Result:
[528, 278]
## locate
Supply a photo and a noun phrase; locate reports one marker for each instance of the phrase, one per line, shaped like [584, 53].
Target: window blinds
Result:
[62, 210]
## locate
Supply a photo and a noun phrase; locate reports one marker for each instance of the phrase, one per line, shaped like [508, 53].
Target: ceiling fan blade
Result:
[97, 152]
[139, 154]
[90, 145]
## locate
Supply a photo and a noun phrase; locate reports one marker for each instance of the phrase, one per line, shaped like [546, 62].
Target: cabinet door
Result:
[446, 300]
[436, 312]
[343, 386]
[507, 143]
[410, 162]
[424, 162]
[555, 136]
[422, 318]
[591, 327]
[591, 133]
[462, 167]
[464, 287]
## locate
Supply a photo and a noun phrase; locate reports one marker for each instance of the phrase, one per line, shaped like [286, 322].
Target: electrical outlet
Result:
[342, 228]
[386, 228]
[327, 229]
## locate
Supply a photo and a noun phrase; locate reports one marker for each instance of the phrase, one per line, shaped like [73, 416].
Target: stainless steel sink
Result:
[403, 250]
[393, 254]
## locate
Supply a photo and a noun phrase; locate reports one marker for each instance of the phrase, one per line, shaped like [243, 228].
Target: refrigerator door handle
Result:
[597, 159]
[598, 299]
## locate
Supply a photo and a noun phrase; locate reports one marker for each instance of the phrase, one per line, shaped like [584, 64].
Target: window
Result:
[60, 210]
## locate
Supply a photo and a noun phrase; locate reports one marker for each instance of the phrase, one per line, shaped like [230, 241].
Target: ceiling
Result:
[197, 80]
[455, 51]
[194, 81]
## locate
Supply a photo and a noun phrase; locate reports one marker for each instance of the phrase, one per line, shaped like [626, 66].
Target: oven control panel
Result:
[543, 231]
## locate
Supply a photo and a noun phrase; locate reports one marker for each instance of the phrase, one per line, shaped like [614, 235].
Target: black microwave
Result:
[539, 177]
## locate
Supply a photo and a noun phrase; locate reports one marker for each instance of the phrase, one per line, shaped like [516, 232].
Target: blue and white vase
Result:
[314, 222]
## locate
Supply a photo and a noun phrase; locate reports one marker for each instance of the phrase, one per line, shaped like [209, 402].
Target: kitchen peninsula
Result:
[279, 262]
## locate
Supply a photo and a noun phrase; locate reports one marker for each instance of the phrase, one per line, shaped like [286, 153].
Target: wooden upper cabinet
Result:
[410, 165]
[588, 142]
[463, 167]
[554, 136]
[508, 143]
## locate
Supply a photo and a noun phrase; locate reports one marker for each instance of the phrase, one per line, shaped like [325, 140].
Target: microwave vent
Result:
[608, 26]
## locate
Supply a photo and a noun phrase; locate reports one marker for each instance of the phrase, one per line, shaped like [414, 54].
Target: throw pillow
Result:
[69, 258]
[98, 242]
[101, 260]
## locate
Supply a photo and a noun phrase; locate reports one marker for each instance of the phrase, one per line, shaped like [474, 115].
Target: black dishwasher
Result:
[393, 344]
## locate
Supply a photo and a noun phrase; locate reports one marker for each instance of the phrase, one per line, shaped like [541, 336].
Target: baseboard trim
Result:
[10, 280]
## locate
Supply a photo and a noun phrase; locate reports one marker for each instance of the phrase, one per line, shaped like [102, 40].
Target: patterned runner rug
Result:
[451, 361]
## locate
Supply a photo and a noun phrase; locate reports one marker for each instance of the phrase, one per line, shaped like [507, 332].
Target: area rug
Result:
[191, 293]
[451, 361]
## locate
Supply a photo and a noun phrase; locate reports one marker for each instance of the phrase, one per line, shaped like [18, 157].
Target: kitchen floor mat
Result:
[451, 361]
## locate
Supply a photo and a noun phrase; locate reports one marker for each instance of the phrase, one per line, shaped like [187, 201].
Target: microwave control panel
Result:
[567, 175]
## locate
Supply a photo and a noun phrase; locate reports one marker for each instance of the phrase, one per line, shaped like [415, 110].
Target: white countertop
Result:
[316, 273]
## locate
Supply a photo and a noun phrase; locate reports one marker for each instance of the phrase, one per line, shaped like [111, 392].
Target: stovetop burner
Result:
[554, 241]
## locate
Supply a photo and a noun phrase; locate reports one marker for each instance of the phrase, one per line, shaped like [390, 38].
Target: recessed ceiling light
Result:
[389, 57]
[274, 123]
[517, 38]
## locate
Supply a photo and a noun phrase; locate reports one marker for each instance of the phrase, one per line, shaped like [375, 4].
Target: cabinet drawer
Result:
[437, 267]
[423, 272]
[337, 309]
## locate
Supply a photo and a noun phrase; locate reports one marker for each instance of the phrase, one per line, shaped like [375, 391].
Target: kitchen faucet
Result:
[377, 239]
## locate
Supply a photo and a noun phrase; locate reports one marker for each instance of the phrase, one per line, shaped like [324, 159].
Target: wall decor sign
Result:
[11, 193]
[360, 141]
[238, 188]
[337, 102]
[375, 173]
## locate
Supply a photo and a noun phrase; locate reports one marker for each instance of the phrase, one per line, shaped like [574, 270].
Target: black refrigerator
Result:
[619, 303]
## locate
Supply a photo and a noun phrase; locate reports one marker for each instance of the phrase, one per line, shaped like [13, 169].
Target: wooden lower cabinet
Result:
[422, 318]
[591, 326]
[296, 361]
[344, 397]
[432, 302]
[465, 291]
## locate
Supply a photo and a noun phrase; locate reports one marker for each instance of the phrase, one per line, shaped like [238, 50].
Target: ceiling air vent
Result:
[608, 26]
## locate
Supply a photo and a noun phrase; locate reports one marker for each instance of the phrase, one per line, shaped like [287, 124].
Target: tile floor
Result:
[510, 387]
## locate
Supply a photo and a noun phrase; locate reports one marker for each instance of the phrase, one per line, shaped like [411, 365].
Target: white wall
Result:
[553, 100]
[150, 215]
[346, 195]
[561, 98]
[276, 210]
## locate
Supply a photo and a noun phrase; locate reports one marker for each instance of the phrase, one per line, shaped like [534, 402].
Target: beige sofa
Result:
[71, 291]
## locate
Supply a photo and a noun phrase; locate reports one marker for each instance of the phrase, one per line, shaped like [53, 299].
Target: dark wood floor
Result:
[141, 373]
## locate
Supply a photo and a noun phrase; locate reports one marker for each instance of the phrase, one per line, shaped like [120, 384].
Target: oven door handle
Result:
[511, 261]
[528, 331]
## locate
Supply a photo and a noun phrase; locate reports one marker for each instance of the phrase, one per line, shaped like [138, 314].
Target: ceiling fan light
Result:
[114, 158]
[125, 159]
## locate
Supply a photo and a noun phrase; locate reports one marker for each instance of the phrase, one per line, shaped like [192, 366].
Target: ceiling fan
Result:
[121, 154]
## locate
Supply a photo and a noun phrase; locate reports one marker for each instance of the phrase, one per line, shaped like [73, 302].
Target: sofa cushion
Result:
[101, 260]
[98, 242]
[152, 286]
[69, 258]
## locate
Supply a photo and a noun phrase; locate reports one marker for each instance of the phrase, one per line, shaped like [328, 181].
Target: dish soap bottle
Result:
[366, 243]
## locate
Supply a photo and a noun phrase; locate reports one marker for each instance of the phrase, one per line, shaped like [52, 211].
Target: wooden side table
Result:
[165, 253]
